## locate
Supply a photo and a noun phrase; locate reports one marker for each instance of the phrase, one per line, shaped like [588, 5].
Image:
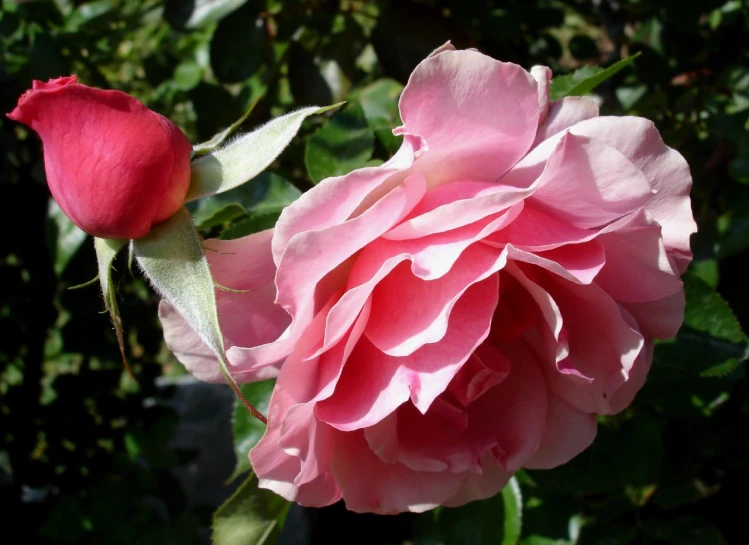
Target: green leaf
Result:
[171, 256]
[343, 144]
[251, 516]
[247, 429]
[197, 13]
[379, 100]
[708, 312]
[219, 138]
[64, 239]
[246, 156]
[494, 521]
[584, 80]
[238, 46]
[267, 195]
[106, 251]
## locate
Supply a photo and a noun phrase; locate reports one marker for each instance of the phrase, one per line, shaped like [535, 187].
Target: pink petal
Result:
[588, 184]
[659, 319]
[637, 267]
[479, 486]
[565, 113]
[248, 319]
[665, 169]
[577, 263]
[334, 200]
[458, 204]
[293, 457]
[369, 485]
[624, 395]
[477, 115]
[535, 230]
[312, 255]
[432, 257]
[569, 431]
[542, 75]
[374, 384]
[514, 411]
[602, 346]
[408, 312]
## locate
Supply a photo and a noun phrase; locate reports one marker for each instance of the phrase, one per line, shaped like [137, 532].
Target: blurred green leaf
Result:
[494, 521]
[688, 530]
[187, 75]
[379, 100]
[198, 13]
[64, 239]
[238, 46]
[343, 144]
[584, 80]
[246, 428]
[252, 516]
[265, 196]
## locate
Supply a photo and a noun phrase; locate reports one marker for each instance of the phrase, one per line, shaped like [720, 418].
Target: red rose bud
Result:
[115, 167]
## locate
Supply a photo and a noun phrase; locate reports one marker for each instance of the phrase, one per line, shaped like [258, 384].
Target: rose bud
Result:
[115, 167]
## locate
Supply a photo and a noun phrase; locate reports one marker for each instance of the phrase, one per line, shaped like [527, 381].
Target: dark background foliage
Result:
[89, 456]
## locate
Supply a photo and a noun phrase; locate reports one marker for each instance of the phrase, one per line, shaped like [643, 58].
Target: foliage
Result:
[94, 457]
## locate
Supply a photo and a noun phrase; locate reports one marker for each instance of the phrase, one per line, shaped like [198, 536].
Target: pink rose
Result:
[464, 310]
[115, 167]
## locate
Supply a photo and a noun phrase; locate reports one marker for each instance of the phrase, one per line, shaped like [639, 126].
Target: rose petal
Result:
[563, 114]
[478, 116]
[666, 170]
[569, 431]
[588, 184]
[369, 485]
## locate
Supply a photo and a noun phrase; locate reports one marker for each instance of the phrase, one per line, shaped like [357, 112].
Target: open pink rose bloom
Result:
[464, 310]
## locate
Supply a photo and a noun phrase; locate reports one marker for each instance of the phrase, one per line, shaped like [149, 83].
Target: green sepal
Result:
[246, 156]
[106, 251]
[171, 257]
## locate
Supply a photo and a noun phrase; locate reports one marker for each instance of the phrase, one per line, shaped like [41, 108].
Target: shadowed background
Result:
[89, 456]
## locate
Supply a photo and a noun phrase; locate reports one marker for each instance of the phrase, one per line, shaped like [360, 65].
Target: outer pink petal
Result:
[369, 485]
[665, 169]
[563, 114]
[589, 184]
[515, 410]
[479, 486]
[477, 115]
[249, 319]
[310, 256]
[542, 75]
[624, 395]
[334, 200]
[659, 319]
[569, 431]
[293, 457]
[603, 346]
[637, 267]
